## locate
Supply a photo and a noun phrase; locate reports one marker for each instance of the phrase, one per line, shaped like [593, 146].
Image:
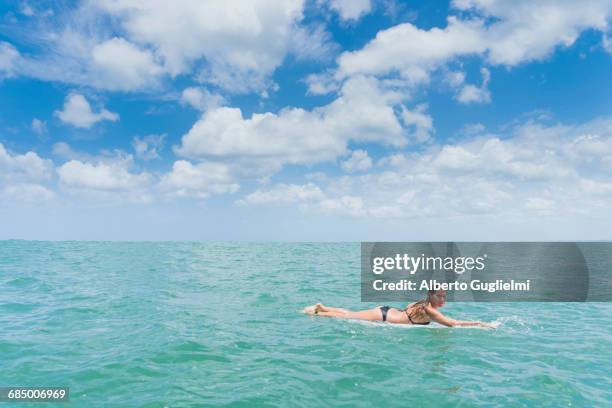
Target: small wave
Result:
[22, 281]
[514, 323]
[395, 325]
[511, 320]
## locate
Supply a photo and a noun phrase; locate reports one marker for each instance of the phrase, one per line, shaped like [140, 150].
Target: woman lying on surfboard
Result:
[422, 312]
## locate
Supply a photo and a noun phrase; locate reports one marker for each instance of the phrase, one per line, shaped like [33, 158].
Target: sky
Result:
[317, 120]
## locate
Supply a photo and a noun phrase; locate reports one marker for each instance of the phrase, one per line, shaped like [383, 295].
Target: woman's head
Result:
[437, 298]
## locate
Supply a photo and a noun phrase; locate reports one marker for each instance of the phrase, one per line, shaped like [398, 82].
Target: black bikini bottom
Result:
[385, 309]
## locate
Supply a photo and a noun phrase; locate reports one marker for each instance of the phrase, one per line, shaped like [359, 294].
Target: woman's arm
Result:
[438, 317]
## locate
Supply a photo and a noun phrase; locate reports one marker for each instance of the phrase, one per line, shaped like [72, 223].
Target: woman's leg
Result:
[319, 307]
[322, 308]
[373, 315]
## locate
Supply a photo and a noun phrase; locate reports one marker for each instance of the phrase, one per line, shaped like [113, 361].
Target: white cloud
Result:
[474, 94]
[534, 168]
[345, 205]
[454, 78]
[501, 32]
[241, 42]
[285, 193]
[79, 47]
[593, 147]
[27, 192]
[351, 9]
[362, 112]
[23, 167]
[321, 84]
[104, 175]
[308, 196]
[359, 161]
[77, 112]
[200, 180]
[39, 126]
[80, 54]
[64, 151]
[21, 175]
[312, 43]
[472, 129]
[237, 45]
[9, 58]
[148, 147]
[419, 121]
[113, 177]
[518, 158]
[413, 52]
[120, 65]
[597, 188]
[27, 10]
[526, 30]
[607, 43]
[132, 45]
[535, 203]
[201, 99]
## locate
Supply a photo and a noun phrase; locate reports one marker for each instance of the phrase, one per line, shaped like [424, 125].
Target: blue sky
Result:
[306, 120]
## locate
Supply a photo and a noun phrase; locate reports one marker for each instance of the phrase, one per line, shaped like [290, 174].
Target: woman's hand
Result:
[488, 325]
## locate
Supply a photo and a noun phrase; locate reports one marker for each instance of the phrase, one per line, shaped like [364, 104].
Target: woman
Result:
[422, 312]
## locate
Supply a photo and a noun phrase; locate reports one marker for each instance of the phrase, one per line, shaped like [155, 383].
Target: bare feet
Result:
[310, 309]
[313, 310]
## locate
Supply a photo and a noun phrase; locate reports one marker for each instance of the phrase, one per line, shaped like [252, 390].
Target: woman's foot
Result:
[310, 309]
[313, 310]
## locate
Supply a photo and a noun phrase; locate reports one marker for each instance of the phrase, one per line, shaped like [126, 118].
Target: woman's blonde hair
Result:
[430, 293]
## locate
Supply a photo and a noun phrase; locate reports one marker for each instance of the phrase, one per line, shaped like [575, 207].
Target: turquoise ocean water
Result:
[196, 324]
